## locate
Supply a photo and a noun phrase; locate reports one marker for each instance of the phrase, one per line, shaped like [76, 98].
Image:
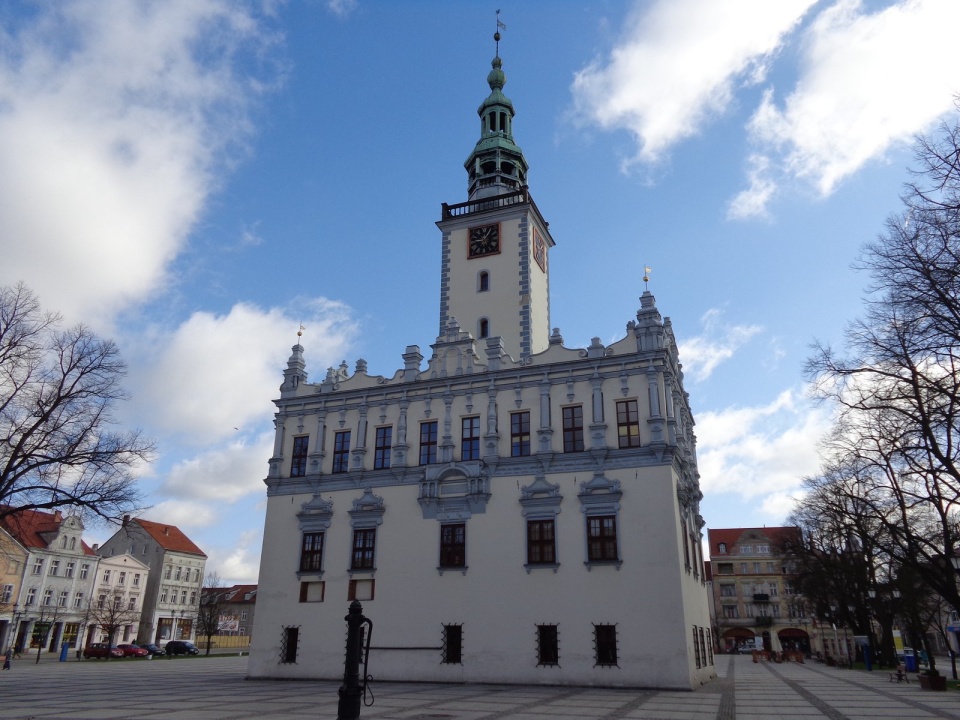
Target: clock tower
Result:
[495, 279]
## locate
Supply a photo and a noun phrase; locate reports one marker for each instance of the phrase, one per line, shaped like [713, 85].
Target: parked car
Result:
[181, 647]
[101, 650]
[152, 648]
[130, 650]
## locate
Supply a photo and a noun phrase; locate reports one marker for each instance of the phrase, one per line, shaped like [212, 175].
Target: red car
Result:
[101, 650]
[133, 650]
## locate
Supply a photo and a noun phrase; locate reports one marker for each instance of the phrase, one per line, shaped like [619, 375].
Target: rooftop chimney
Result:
[95, 547]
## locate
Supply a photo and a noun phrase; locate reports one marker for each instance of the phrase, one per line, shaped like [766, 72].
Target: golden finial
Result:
[646, 276]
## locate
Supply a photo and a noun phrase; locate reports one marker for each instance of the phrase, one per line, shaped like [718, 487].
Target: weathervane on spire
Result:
[300, 333]
[646, 276]
[496, 35]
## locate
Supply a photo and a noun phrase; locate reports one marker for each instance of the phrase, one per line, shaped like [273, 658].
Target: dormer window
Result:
[723, 548]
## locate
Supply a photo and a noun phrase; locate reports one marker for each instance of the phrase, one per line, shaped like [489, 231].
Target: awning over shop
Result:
[792, 633]
[739, 632]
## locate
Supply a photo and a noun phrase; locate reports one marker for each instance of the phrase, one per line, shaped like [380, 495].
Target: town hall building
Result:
[507, 509]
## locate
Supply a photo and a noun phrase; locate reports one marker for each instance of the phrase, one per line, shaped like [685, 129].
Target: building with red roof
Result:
[755, 603]
[57, 575]
[175, 577]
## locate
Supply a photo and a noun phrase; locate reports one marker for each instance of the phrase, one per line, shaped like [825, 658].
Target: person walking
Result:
[7, 659]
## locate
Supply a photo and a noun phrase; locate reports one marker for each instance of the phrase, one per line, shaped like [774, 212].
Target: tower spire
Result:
[496, 165]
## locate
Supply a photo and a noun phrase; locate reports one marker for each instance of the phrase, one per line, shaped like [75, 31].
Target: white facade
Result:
[57, 581]
[174, 579]
[513, 511]
[121, 581]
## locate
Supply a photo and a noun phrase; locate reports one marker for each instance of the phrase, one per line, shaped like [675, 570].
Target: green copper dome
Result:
[496, 165]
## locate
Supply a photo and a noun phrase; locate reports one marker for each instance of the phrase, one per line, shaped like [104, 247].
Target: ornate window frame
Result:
[540, 500]
[366, 514]
[600, 497]
[315, 516]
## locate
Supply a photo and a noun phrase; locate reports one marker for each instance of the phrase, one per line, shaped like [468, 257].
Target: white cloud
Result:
[867, 81]
[753, 201]
[225, 474]
[761, 452]
[215, 373]
[678, 64]
[114, 117]
[702, 354]
[342, 7]
[239, 563]
[184, 514]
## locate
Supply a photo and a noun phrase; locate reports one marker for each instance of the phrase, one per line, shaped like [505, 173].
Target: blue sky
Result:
[195, 179]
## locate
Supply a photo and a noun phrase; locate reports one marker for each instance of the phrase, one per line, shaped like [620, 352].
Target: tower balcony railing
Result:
[519, 197]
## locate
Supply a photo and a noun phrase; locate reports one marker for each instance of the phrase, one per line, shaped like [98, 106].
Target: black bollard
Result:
[351, 692]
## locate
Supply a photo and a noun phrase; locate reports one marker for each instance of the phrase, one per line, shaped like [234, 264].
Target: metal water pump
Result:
[352, 691]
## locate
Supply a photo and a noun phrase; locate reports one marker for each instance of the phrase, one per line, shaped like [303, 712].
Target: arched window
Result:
[723, 547]
[483, 281]
[484, 328]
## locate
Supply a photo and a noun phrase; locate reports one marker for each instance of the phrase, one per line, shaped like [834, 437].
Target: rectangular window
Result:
[452, 644]
[101, 600]
[31, 596]
[381, 451]
[288, 645]
[311, 552]
[183, 597]
[361, 589]
[428, 442]
[756, 568]
[63, 597]
[106, 577]
[341, 451]
[298, 466]
[364, 544]
[243, 615]
[168, 572]
[453, 546]
[78, 600]
[163, 595]
[774, 589]
[193, 597]
[605, 642]
[54, 566]
[136, 580]
[309, 592]
[628, 424]
[602, 538]
[470, 438]
[179, 574]
[541, 542]
[132, 604]
[728, 591]
[703, 648]
[122, 578]
[573, 429]
[71, 566]
[6, 594]
[548, 646]
[731, 611]
[696, 646]
[48, 597]
[38, 566]
[519, 434]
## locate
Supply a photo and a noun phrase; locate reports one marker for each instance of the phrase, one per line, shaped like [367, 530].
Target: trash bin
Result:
[64, 650]
[910, 661]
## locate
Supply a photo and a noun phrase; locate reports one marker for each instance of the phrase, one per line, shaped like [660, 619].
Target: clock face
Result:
[539, 250]
[484, 240]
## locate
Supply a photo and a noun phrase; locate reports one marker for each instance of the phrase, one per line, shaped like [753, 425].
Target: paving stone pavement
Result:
[216, 689]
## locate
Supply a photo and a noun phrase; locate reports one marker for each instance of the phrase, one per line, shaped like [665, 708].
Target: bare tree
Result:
[897, 387]
[111, 612]
[210, 611]
[58, 389]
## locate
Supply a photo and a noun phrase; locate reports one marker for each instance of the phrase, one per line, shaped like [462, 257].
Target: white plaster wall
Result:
[498, 602]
